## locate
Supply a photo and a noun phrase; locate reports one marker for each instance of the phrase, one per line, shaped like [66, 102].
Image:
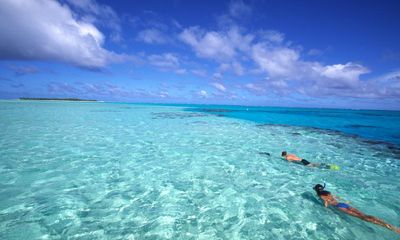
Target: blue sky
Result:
[343, 54]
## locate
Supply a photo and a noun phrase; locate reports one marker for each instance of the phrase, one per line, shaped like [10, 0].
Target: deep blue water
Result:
[373, 125]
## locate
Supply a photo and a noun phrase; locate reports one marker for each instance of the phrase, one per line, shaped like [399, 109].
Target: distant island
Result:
[59, 99]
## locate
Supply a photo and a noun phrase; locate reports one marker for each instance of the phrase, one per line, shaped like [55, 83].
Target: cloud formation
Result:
[49, 31]
[284, 69]
[282, 66]
[23, 70]
[98, 14]
[233, 59]
[219, 86]
[151, 28]
[216, 45]
[166, 62]
[202, 94]
[102, 91]
[386, 86]
[277, 61]
[238, 9]
[152, 36]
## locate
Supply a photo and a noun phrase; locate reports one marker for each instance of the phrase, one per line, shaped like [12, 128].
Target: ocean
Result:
[84, 170]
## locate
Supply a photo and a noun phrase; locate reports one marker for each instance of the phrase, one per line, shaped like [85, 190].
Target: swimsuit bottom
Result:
[342, 205]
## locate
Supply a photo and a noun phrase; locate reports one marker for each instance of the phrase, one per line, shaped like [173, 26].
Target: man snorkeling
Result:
[293, 158]
[329, 199]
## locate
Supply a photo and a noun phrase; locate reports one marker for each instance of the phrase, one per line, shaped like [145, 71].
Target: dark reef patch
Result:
[368, 114]
[337, 145]
[303, 113]
[359, 126]
[362, 126]
[372, 142]
[396, 135]
[310, 129]
[381, 145]
[273, 125]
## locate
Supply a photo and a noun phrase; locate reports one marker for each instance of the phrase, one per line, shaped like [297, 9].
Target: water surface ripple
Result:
[126, 171]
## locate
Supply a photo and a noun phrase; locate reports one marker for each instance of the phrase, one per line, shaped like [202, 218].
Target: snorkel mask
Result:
[319, 187]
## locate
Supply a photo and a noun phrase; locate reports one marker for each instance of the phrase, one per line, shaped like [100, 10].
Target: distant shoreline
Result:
[59, 99]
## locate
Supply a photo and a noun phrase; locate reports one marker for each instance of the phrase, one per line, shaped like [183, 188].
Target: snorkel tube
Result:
[320, 189]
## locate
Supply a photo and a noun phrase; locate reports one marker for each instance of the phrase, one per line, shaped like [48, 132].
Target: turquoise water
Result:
[374, 125]
[129, 171]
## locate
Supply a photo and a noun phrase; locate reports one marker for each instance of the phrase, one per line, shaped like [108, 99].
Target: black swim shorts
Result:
[305, 162]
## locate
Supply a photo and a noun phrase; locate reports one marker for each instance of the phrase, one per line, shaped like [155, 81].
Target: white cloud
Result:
[219, 86]
[272, 36]
[223, 67]
[49, 31]
[210, 45]
[92, 7]
[282, 64]
[200, 72]
[315, 52]
[225, 47]
[238, 69]
[237, 9]
[103, 91]
[218, 76]
[385, 86]
[287, 72]
[203, 94]
[152, 36]
[92, 12]
[23, 70]
[258, 89]
[166, 62]
[278, 84]
[180, 71]
[219, 46]
[163, 94]
[284, 69]
[276, 61]
[348, 72]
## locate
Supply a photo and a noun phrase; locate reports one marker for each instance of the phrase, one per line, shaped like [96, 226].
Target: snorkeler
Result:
[293, 158]
[329, 199]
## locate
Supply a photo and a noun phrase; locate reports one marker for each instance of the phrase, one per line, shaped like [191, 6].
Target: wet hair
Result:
[284, 153]
[320, 190]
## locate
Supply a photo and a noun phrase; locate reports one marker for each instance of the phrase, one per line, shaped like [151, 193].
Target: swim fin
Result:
[334, 167]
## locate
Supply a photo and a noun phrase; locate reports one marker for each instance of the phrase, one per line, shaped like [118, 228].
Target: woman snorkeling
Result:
[329, 199]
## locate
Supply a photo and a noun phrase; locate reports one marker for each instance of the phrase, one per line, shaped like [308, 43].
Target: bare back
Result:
[292, 157]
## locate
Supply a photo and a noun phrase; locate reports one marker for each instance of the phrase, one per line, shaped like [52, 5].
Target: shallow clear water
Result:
[128, 171]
